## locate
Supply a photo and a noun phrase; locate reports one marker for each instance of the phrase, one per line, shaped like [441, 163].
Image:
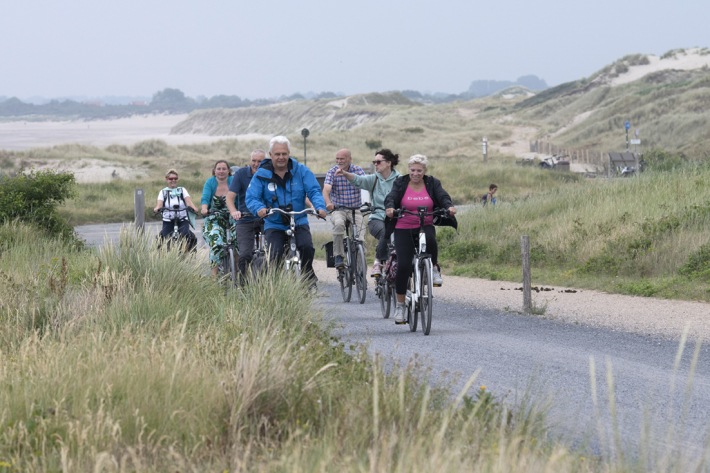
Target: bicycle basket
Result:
[391, 267]
[329, 258]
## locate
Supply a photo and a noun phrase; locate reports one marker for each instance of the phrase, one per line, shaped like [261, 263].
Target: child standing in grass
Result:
[490, 197]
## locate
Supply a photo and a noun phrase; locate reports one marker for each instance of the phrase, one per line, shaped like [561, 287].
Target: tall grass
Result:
[132, 359]
[625, 235]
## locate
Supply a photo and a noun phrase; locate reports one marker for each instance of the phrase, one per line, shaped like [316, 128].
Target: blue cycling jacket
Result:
[266, 189]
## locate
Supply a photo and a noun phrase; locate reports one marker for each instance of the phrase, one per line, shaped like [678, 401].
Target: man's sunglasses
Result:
[172, 179]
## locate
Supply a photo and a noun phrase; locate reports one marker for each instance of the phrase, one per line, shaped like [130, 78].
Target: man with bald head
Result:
[339, 191]
[247, 224]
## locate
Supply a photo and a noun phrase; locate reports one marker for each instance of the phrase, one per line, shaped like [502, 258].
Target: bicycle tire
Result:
[346, 283]
[360, 273]
[232, 267]
[385, 297]
[426, 296]
[411, 314]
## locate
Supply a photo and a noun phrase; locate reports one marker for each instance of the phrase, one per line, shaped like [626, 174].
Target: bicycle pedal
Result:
[436, 285]
[401, 323]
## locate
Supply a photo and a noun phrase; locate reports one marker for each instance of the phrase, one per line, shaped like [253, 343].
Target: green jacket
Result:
[383, 187]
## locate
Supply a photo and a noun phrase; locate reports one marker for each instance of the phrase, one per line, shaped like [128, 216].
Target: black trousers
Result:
[405, 242]
[245, 242]
[377, 230]
[183, 230]
[276, 239]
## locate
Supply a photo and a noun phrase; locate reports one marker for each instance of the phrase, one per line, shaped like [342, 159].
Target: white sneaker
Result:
[399, 314]
[436, 279]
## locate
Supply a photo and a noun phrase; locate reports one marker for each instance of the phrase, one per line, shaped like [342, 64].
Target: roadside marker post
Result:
[527, 279]
[485, 149]
[139, 209]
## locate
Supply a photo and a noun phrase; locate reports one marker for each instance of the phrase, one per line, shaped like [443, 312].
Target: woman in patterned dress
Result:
[214, 228]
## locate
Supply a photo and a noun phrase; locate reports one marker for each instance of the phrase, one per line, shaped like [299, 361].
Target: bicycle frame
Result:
[294, 258]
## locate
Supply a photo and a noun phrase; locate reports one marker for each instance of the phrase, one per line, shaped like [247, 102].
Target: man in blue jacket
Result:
[280, 181]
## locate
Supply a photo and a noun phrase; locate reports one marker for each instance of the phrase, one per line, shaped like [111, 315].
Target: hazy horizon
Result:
[270, 49]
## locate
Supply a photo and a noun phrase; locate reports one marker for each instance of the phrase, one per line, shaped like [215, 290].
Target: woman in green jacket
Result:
[378, 185]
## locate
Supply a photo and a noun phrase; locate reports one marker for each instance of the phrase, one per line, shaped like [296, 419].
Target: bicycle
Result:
[293, 260]
[230, 253]
[174, 237]
[354, 270]
[420, 295]
[259, 254]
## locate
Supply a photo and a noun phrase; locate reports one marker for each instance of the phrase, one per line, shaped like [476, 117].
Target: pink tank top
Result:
[411, 201]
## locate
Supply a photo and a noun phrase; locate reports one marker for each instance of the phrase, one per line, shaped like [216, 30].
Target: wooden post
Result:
[139, 208]
[527, 279]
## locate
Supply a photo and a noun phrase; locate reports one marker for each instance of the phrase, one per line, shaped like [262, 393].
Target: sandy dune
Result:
[686, 61]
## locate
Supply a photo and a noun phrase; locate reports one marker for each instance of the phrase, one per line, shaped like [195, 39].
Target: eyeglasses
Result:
[378, 162]
[172, 179]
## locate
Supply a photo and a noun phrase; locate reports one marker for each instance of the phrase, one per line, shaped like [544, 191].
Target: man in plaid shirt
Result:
[338, 191]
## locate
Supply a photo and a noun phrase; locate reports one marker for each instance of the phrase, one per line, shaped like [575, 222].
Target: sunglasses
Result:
[378, 162]
[172, 179]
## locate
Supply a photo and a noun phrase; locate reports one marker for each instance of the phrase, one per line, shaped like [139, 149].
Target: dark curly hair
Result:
[389, 156]
[222, 161]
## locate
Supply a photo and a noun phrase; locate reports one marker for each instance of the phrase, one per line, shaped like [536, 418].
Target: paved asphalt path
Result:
[517, 353]
[550, 359]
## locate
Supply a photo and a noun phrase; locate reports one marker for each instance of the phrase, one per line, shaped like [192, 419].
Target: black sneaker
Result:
[339, 263]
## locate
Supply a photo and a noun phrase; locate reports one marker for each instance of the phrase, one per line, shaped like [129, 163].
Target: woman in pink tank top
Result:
[420, 191]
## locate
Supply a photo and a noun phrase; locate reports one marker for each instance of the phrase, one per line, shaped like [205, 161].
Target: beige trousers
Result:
[338, 218]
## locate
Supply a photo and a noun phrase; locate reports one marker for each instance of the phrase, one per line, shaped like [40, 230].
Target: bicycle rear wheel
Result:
[360, 268]
[426, 295]
[385, 296]
[411, 314]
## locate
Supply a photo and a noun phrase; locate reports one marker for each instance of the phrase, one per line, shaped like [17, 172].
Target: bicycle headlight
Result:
[289, 232]
[293, 247]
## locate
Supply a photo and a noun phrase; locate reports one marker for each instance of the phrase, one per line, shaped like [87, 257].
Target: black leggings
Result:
[405, 242]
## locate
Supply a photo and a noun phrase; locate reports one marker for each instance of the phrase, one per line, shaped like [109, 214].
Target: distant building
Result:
[140, 102]
[98, 104]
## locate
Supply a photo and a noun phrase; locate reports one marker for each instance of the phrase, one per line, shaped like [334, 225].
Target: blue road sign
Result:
[628, 125]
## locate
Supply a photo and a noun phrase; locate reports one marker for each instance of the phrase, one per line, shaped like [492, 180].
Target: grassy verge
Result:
[642, 236]
[130, 359]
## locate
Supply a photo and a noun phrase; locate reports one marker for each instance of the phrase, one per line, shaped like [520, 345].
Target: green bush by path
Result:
[34, 197]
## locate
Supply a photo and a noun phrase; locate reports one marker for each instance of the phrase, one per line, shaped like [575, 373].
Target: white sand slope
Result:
[685, 61]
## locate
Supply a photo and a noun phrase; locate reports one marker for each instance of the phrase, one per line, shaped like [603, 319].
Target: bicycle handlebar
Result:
[398, 213]
[288, 214]
[168, 209]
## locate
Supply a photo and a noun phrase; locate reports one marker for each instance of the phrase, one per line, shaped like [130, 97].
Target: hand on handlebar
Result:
[321, 214]
[389, 212]
[330, 207]
[452, 210]
[262, 212]
[236, 215]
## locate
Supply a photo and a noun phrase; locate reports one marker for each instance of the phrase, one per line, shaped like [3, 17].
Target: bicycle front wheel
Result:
[360, 273]
[346, 283]
[426, 295]
[232, 266]
[411, 314]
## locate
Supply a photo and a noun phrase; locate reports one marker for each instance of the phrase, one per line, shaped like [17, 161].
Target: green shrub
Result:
[698, 264]
[33, 198]
[465, 251]
[602, 264]
[660, 160]
[373, 144]
[149, 148]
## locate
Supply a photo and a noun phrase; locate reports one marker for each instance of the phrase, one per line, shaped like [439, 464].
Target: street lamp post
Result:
[305, 134]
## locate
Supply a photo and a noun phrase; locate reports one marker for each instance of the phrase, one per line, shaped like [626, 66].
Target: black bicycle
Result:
[230, 253]
[175, 236]
[354, 270]
[420, 295]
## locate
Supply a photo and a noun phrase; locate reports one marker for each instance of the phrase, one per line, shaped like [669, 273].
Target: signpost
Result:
[627, 125]
[305, 134]
[485, 149]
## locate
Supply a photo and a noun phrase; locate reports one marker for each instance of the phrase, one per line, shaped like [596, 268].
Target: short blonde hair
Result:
[171, 171]
[418, 159]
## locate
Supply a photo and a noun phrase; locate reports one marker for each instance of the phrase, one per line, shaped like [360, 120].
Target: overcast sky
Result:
[269, 48]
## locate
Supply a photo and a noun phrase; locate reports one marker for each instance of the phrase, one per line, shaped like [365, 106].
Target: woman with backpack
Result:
[214, 228]
[169, 197]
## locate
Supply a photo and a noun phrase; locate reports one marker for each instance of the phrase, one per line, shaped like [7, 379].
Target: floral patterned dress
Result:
[214, 230]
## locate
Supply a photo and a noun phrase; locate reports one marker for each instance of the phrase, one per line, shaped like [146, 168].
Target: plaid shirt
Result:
[342, 192]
